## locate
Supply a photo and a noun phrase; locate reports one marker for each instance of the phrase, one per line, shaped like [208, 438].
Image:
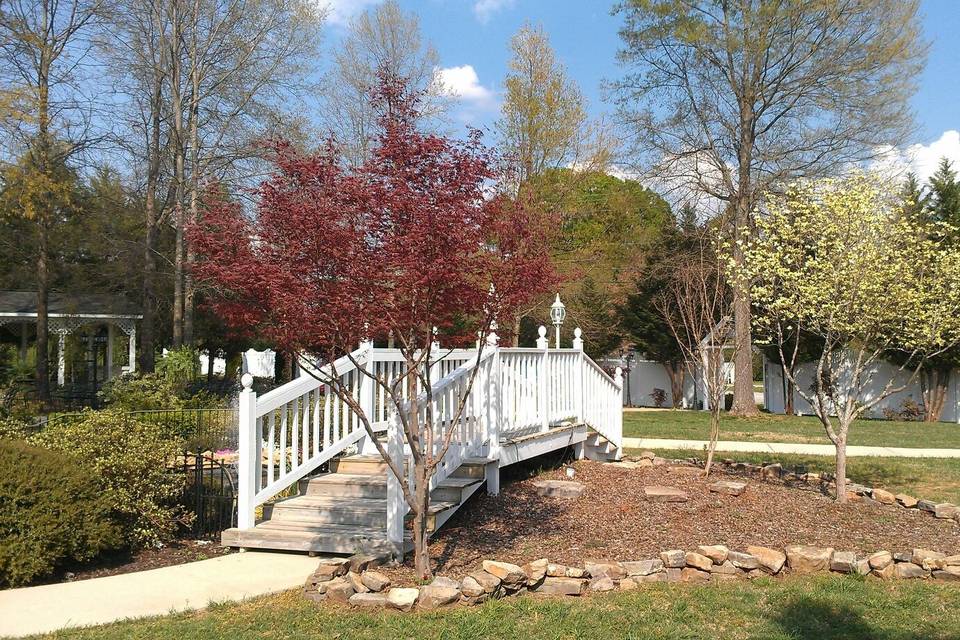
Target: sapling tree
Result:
[406, 246]
[696, 304]
[839, 261]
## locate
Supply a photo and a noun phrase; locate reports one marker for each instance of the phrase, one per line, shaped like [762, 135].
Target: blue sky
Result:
[472, 38]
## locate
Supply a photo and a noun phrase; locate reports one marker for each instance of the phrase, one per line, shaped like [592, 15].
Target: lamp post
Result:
[558, 312]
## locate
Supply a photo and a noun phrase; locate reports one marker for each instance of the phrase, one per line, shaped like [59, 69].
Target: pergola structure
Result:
[68, 312]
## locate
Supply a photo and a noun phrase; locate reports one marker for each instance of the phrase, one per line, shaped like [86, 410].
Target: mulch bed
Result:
[613, 520]
[177, 552]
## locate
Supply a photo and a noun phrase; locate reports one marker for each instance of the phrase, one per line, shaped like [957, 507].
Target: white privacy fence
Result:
[290, 432]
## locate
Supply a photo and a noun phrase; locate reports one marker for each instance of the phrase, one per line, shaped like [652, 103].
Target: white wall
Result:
[881, 374]
[644, 377]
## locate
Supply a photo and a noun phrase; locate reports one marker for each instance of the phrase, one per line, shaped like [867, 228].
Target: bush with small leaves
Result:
[52, 511]
[130, 459]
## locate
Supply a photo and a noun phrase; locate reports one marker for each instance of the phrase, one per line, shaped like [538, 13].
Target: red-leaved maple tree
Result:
[408, 246]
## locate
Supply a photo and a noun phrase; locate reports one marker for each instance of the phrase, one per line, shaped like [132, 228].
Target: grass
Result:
[936, 479]
[825, 607]
[694, 425]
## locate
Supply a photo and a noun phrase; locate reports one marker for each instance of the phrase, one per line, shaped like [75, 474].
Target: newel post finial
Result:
[542, 341]
[618, 377]
[246, 380]
[578, 339]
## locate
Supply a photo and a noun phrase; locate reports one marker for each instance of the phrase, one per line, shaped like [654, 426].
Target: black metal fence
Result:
[209, 492]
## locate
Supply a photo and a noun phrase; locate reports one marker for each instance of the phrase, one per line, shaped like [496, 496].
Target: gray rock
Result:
[843, 562]
[726, 568]
[561, 586]
[440, 592]
[339, 589]
[744, 561]
[360, 562]
[567, 489]
[673, 574]
[657, 493]
[689, 574]
[536, 571]
[605, 569]
[880, 560]
[926, 505]
[946, 511]
[369, 600]
[576, 572]
[673, 559]
[771, 560]
[356, 582]
[488, 581]
[928, 559]
[951, 574]
[603, 583]
[910, 570]
[808, 559]
[375, 581]
[402, 599]
[729, 487]
[510, 575]
[471, 588]
[642, 567]
[330, 568]
[903, 556]
[698, 561]
[716, 552]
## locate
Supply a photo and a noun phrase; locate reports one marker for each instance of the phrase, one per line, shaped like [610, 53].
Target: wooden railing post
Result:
[366, 394]
[248, 454]
[396, 505]
[543, 383]
[494, 394]
[616, 412]
[578, 346]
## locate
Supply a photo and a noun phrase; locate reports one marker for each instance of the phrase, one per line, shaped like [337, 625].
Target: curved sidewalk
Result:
[785, 447]
[195, 585]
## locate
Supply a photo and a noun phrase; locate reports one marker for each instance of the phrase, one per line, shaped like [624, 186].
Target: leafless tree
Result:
[697, 306]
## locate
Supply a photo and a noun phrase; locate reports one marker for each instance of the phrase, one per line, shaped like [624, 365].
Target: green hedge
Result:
[129, 459]
[52, 511]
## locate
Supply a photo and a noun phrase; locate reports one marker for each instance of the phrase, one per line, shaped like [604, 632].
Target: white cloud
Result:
[341, 11]
[921, 159]
[463, 83]
[484, 9]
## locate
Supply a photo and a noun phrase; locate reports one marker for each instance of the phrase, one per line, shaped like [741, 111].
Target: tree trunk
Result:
[675, 373]
[933, 386]
[841, 447]
[743, 402]
[43, 283]
[421, 555]
[788, 405]
[176, 108]
[147, 325]
[194, 126]
[714, 436]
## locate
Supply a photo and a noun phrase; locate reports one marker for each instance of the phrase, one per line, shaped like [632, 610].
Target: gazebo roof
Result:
[23, 304]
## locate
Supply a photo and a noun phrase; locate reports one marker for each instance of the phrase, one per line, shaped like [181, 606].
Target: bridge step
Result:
[346, 510]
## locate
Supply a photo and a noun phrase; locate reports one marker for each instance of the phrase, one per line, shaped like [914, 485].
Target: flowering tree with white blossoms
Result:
[838, 260]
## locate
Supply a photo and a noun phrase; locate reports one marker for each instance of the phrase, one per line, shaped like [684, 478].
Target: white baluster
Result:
[396, 505]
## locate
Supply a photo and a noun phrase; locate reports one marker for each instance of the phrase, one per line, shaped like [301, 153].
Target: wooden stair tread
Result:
[347, 478]
[321, 501]
[453, 482]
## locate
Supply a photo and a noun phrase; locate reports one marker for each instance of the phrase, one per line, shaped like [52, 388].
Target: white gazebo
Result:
[68, 312]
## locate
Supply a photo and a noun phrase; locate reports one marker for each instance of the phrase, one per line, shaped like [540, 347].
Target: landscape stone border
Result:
[359, 584]
[855, 492]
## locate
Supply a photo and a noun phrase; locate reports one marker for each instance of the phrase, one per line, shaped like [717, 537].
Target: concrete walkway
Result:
[156, 592]
[784, 447]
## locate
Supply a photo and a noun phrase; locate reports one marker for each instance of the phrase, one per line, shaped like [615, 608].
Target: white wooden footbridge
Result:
[524, 402]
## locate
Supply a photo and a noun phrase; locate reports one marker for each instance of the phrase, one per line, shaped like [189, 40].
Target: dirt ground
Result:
[613, 520]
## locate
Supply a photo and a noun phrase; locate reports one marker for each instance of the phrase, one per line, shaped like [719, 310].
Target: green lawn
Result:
[694, 425]
[935, 479]
[825, 607]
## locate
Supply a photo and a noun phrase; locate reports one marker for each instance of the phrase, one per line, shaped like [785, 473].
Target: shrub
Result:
[130, 459]
[52, 511]
[179, 367]
[153, 391]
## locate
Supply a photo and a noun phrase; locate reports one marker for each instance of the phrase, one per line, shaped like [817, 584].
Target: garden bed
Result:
[177, 552]
[613, 520]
